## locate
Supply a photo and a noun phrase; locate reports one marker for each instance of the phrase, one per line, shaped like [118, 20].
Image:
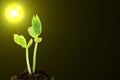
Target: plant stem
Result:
[34, 57]
[27, 61]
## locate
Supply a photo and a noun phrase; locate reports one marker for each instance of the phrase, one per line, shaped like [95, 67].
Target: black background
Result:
[80, 39]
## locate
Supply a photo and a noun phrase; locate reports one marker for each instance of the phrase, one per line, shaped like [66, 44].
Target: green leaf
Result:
[38, 40]
[31, 33]
[36, 24]
[20, 40]
[30, 43]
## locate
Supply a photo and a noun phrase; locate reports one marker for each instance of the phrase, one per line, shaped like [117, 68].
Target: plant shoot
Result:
[34, 31]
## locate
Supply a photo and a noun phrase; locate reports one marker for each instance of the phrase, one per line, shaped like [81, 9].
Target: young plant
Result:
[20, 40]
[34, 32]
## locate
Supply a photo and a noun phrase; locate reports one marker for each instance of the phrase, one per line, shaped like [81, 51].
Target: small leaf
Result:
[20, 40]
[36, 24]
[40, 25]
[38, 40]
[31, 33]
[30, 43]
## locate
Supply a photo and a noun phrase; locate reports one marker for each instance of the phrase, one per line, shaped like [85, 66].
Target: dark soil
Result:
[38, 75]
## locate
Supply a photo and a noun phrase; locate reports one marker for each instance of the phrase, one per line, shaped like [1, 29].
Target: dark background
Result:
[80, 39]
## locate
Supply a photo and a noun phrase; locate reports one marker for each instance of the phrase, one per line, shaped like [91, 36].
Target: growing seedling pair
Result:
[34, 31]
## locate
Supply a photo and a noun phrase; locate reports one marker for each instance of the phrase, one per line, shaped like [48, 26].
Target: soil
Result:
[38, 75]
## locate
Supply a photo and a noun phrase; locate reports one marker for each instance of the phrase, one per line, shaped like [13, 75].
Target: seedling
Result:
[34, 31]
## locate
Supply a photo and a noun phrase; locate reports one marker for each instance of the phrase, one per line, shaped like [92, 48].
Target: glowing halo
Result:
[14, 13]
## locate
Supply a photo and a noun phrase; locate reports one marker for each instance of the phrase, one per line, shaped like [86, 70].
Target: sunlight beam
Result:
[14, 13]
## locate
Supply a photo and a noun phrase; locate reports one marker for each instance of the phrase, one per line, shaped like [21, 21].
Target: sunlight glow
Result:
[14, 13]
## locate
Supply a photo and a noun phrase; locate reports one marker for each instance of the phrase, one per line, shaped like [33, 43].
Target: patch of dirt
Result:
[38, 75]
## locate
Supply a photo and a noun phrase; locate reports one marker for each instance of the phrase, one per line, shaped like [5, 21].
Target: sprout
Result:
[20, 40]
[34, 32]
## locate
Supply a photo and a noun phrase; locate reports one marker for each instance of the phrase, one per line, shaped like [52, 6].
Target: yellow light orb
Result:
[14, 13]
